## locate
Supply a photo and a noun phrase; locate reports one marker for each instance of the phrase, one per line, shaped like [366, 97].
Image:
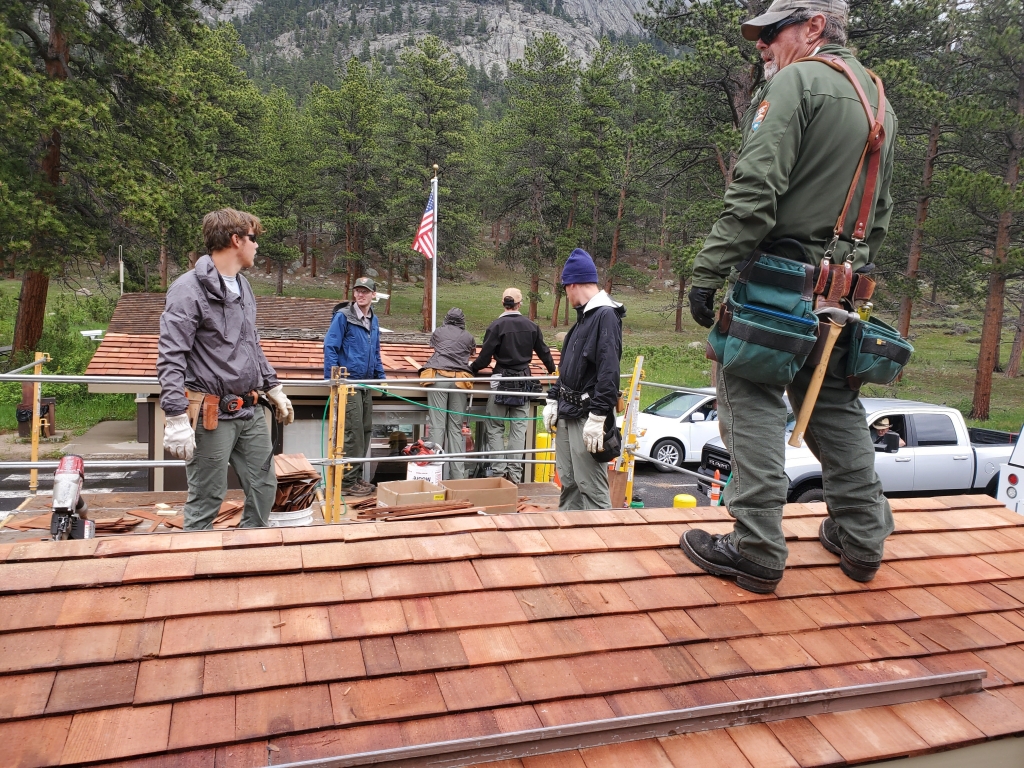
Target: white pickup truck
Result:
[1011, 479]
[941, 455]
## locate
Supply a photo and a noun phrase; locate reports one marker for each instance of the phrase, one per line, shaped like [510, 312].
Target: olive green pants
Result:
[505, 464]
[245, 445]
[753, 423]
[358, 425]
[446, 428]
[584, 481]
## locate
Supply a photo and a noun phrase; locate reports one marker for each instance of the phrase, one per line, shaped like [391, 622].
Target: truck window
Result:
[934, 429]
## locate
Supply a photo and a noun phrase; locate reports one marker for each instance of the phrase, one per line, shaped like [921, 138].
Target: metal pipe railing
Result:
[477, 457]
[53, 378]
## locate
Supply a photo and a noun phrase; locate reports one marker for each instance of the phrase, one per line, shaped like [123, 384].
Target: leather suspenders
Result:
[836, 281]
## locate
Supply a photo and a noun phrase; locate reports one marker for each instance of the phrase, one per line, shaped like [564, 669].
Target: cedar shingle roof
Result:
[139, 314]
[135, 355]
[334, 640]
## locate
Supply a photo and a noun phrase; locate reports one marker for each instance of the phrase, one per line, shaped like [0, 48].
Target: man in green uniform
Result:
[802, 139]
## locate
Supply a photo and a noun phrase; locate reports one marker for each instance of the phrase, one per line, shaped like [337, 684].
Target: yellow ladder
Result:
[626, 461]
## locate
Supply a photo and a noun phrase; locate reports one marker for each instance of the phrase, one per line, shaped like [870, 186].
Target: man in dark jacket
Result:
[353, 342]
[209, 346]
[582, 401]
[453, 346]
[511, 341]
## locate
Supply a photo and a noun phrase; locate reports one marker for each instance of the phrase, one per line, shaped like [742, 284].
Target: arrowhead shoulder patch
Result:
[762, 112]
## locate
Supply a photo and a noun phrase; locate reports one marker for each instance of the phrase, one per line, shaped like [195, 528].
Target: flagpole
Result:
[437, 256]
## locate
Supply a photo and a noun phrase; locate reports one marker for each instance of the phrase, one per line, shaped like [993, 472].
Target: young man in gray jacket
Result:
[453, 346]
[210, 366]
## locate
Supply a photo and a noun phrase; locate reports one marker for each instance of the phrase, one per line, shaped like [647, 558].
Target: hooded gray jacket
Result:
[453, 344]
[208, 341]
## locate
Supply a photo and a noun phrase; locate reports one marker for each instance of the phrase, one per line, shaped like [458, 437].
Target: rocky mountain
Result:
[484, 33]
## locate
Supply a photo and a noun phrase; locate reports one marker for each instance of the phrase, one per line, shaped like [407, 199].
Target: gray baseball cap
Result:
[365, 282]
[783, 9]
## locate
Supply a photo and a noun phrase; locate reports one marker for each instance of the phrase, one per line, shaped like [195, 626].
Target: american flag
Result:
[424, 242]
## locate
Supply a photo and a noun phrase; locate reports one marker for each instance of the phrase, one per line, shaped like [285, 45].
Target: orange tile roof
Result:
[135, 355]
[335, 640]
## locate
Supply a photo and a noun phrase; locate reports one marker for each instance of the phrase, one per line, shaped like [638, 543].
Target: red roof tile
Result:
[340, 643]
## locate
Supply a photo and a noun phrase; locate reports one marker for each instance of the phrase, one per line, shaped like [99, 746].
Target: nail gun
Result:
[69, 508]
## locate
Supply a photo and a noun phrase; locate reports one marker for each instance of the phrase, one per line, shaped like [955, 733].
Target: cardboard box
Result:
[496, 493]
[401, 492]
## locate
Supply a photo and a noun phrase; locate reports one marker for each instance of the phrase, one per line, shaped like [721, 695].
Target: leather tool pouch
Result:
[877, 354]
[211, 412]
[195, 407]
[766, 329]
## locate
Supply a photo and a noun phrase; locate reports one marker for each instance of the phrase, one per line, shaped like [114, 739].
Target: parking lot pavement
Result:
[658, 489]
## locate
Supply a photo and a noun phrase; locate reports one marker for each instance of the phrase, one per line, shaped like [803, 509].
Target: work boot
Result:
[858, 570]
[718, 556]
[359, 488]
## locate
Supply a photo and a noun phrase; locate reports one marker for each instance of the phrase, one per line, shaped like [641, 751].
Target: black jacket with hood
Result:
[453, 344]
[208, 341]
[591, 354]
[511, 341]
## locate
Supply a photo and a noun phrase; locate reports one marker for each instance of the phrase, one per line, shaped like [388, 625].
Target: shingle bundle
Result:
[297, 480]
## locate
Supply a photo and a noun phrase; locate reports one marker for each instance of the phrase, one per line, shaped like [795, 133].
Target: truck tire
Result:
[669, 451]
[992, 489]
[811, 491]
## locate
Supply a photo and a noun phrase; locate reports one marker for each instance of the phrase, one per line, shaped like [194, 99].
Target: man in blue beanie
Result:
[581, 403]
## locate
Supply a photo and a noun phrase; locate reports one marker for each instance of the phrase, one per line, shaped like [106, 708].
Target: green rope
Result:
[386, 393]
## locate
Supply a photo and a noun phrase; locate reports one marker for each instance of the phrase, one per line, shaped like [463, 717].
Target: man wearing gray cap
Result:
[817, 143]
[353, 343]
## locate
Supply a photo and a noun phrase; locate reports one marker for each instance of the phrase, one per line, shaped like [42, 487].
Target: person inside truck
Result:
[880, 429]
[710, 410]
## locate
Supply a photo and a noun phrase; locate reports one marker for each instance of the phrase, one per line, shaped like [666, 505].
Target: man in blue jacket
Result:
[353, 343]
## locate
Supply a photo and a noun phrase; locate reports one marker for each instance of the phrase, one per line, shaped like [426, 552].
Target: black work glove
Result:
[702, 306]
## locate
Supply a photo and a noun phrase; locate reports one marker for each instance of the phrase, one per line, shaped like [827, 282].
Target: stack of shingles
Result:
[229, 516]
[366, 509]
[297, 480]
[221, 647]
[105, 526]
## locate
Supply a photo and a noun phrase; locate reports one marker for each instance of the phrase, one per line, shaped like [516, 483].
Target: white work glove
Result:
[593, 433]
[282, 405]
[550, 415]
[179, 438]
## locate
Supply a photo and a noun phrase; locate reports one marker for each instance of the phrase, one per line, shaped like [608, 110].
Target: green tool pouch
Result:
[765, 329]
[877, 354]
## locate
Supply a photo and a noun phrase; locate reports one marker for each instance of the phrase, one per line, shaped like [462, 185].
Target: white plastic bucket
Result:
[293, 518]
[430, 472]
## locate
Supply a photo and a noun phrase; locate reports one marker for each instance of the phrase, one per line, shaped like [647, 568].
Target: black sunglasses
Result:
[250, 235]
[770, 32]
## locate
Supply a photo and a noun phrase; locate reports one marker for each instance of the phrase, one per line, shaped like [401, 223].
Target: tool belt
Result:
[211, 406]
[877, 351]
[766, 328]
[524, 385]
[433, 373]
[579, 399]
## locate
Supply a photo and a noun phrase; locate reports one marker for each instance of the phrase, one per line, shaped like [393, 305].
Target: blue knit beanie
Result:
[579, 268]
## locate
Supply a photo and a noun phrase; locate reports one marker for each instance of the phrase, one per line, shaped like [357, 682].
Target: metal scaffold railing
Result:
[339, 388]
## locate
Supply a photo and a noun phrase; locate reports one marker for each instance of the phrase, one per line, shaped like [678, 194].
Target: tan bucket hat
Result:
[783, 9]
